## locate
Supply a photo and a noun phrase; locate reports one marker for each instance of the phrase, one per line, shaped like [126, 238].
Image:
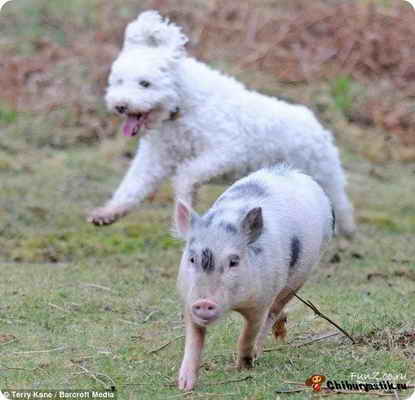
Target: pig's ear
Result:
[184, 217]
[252, 224]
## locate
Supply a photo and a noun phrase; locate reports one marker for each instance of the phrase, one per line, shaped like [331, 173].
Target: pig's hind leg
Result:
[276, 320]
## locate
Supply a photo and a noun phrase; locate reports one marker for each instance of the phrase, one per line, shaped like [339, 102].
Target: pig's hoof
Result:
[280, 328]
[245, 362]
[187, 380]
[106, 215]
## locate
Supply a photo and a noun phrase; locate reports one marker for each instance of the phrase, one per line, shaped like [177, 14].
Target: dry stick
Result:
[165, 345]
[94, 376]
[16, 369]
[129, 322]
[149, 316]
[10, 341]
[232, 380]
[317, 339]
[57, 307]
[320, 314]
[91, 375]
[94, 285]
[39, 351]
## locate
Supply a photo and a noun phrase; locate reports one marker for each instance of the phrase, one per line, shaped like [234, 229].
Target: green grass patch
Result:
[80, 301]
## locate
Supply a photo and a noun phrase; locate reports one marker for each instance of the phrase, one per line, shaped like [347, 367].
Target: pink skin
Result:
[195, 337]
[134, 123]
[203, 313]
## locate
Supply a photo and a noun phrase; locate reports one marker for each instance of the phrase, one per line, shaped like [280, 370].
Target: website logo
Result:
[315, 381]
[333, 386]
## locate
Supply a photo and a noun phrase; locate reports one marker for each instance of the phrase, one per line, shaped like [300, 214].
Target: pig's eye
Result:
[234, 261]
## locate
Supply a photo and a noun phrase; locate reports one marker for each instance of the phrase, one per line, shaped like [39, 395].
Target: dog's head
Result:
[143, 80]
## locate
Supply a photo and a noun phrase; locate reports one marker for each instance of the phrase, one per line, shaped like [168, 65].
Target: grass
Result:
[83, 307]
[106, 296]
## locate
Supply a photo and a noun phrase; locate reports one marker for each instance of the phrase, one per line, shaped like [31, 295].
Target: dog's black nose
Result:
[121, 109]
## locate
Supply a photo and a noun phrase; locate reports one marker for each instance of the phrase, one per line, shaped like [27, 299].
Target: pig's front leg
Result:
[254, 320]
[195, 337]
[145, 174]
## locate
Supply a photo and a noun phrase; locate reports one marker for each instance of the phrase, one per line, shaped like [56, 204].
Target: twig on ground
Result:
[94, 285]
[316, 339]
[245, 378]
[94, 377]
[16, 369]
[129, 322]
[290, 391]
[272, 349]
[10, 341]
[39, 351]
[149, 316]
[12, 321]
[308, 303]
[57, 307]
[165, 345]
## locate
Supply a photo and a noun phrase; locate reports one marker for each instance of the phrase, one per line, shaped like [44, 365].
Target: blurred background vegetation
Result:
[351, 61]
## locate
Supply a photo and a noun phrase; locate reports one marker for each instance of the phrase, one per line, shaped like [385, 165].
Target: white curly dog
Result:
[196, 123]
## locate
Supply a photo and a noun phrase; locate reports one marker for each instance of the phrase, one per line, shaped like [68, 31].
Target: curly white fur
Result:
[196, 123]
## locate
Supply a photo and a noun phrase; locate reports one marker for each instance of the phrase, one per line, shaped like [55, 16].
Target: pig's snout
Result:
[205, 310]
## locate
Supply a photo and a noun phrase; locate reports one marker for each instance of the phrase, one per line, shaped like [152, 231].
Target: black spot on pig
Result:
[230, 228]
[333, 220]
[207, 262]
[295, 251]
[256, 250]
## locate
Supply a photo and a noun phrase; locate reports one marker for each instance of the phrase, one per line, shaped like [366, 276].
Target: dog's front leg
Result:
[192, 174]
[146, 173]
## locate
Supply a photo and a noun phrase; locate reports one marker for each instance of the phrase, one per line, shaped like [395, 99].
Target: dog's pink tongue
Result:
[130, 125]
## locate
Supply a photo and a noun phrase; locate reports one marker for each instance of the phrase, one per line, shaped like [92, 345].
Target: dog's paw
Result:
[106, 215]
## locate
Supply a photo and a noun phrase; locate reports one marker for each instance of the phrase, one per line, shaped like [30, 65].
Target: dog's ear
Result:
[151, 30]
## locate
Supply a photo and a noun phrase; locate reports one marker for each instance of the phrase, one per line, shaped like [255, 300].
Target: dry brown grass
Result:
[298, 42]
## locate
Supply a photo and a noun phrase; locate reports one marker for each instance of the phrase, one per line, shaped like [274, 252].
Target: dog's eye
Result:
[145, 84]
[233, 261]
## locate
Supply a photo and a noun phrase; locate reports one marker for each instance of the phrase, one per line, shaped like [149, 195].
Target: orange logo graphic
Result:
[315, 381]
